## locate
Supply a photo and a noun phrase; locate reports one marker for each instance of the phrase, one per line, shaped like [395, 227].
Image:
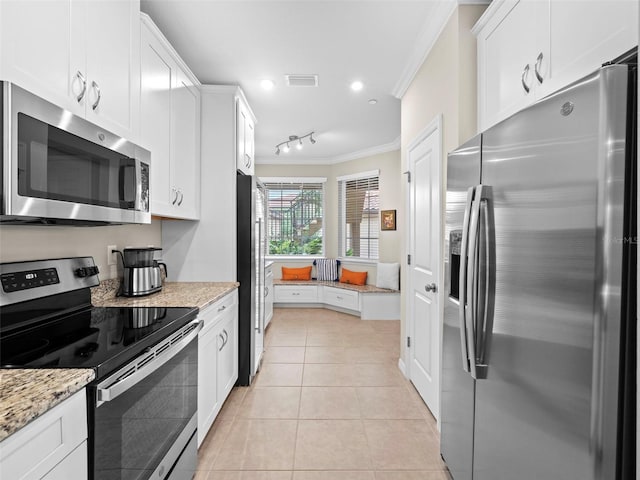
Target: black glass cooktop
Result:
[100, 338]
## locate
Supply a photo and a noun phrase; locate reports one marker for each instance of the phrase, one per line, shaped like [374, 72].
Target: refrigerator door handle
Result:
[258, 323]
[486, 279]
[462, 286]
[472, 279]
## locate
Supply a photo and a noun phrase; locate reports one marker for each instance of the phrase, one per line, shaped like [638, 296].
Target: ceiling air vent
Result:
[302, 80]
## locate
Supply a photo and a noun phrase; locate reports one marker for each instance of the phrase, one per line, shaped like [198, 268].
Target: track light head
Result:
[277, 150]
[311, 139]
[299, 145]
[286, 148]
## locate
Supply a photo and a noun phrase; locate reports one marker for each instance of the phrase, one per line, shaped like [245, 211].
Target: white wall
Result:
[31, 242]
[390, 199]
[445, 84]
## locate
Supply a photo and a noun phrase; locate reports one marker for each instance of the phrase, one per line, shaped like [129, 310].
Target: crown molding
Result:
[424, 43]
[426, 40]
[366, 152]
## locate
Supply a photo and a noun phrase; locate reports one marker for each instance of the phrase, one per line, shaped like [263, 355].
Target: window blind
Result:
[295, 217]
[359, 209]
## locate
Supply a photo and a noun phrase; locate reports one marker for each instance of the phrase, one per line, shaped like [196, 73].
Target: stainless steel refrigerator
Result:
[538, 372]
[251, 249]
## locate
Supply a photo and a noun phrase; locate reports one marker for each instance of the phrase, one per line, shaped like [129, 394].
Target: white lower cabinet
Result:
[339, 297]
[217, 359]
[296, 294]
[52, 447]
[268, 294]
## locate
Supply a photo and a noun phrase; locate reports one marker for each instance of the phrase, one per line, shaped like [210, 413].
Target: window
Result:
[295, 215]
[359, 210]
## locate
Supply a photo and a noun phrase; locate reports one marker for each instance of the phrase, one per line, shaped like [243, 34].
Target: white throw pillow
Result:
[388, 276]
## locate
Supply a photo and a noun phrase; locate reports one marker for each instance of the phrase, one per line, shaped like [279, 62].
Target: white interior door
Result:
[423, 302]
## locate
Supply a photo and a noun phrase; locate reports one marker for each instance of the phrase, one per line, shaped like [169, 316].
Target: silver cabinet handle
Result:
[247, 160]
[146, 364]
[221, 337]
[226, 335]
[525, 73]
[339, 297]
[266, 291]
[96, 87]
[295, 294]
[431, 288]
[222, 308]
[175, 196]
[84, 85]
[537, 68]
[181, 197]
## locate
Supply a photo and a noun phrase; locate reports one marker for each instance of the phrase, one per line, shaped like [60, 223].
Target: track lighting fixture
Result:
[297, 140]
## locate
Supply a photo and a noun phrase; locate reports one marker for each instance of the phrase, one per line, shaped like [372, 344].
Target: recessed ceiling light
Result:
[357, 86]
[267, 84]
[372, 101]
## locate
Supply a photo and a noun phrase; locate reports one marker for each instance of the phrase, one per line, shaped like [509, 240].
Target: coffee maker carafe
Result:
[141, 273]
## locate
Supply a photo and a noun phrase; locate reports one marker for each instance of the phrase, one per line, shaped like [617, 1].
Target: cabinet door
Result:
[507, 49]
[185, 116]
[112, 39]
[249, 145]
[208, 403]
[584, 35]
[269, 294]
[157, 71]
[36, 45]
[228, 352]
[73, 467]
[241, 122]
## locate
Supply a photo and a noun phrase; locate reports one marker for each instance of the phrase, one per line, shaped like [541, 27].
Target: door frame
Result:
[434, 127]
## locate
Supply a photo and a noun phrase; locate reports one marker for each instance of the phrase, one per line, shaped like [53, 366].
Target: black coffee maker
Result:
[141, 273]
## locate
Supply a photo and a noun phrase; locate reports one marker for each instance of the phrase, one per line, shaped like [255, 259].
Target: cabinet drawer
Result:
[340, 297]
[215, 311]
[38, 447]
[296, 293]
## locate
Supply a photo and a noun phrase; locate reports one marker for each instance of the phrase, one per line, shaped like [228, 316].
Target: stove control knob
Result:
[86, 271]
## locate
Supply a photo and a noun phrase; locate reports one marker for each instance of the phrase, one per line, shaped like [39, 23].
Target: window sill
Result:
[292, 258]
[362, 261]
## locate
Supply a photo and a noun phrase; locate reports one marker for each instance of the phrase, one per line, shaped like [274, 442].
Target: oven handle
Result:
[144, 365]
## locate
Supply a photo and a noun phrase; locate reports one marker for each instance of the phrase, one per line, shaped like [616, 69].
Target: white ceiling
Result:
[241, 42]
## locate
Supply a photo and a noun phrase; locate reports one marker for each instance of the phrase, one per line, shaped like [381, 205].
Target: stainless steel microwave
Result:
[58, 168]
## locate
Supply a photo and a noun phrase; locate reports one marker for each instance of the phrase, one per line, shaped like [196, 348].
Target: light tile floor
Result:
[329, 403]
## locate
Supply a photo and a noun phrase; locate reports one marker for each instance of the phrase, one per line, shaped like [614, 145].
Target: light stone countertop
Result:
[26, 394]
[173, 294]
[345, 286]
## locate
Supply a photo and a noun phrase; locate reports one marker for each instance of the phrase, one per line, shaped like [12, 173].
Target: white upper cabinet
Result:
[170, 126]
[156, 77]
[528, 49]
[245, 138]
[185, 170]
[82, 55]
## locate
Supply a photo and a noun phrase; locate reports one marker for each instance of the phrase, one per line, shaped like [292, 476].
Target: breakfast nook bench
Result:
[367, 301]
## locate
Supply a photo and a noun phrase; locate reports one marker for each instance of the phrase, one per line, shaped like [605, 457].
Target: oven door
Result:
[144, 420]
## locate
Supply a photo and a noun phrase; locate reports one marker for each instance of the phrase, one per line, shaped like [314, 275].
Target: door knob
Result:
[431, 288]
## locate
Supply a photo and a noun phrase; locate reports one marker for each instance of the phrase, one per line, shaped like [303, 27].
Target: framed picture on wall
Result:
[387, 219]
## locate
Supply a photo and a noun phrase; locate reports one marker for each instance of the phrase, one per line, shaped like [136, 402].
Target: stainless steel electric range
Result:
[142, 404]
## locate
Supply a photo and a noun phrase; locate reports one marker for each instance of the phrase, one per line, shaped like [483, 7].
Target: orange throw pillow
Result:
[302, 273]
[354, 278]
